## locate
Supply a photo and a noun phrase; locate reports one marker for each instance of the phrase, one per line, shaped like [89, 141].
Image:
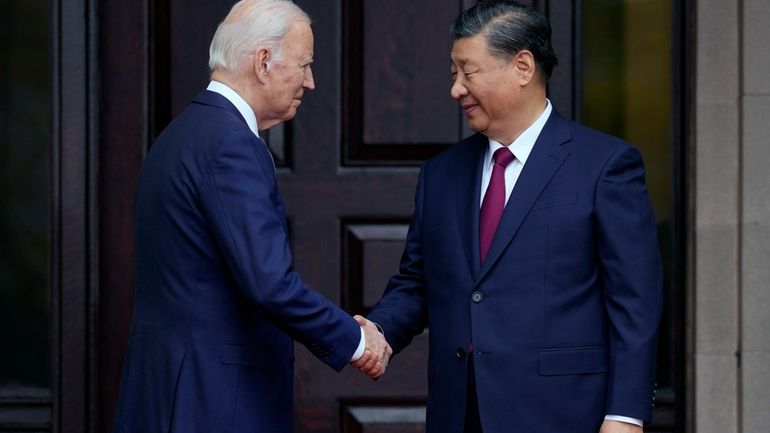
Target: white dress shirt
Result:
[521, 148]
[251, 120]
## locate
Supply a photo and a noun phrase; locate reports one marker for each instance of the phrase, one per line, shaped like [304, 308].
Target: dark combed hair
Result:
[510, 27]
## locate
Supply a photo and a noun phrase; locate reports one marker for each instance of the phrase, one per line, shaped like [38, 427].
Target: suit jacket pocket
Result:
[243, 354]
[575, 360]
[554, 200]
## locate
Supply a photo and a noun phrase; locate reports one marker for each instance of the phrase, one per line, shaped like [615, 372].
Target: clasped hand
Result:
[377, 352]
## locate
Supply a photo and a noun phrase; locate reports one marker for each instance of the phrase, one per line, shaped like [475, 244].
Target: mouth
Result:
[469, 108]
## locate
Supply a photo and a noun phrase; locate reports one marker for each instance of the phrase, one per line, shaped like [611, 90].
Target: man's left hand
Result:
[609, 426]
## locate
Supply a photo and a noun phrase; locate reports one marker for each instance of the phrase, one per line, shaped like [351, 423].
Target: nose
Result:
[308, 83]
[458, 90]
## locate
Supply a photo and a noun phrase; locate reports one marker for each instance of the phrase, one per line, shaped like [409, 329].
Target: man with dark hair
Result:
[532, 253]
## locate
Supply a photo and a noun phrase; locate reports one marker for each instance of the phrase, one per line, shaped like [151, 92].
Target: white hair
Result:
[249, 24]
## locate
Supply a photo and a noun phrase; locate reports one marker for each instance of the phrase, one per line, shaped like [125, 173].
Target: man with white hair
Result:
[217, 305]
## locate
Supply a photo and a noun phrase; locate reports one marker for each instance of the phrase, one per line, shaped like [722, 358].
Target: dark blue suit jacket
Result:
[217, 303]
[567, 303]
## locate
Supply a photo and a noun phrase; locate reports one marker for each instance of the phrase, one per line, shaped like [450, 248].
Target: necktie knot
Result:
[503, 157]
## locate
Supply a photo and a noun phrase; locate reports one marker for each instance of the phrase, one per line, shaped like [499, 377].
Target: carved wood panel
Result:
[396, 108]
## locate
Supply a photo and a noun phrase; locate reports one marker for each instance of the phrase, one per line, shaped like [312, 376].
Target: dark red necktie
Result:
[494, 201]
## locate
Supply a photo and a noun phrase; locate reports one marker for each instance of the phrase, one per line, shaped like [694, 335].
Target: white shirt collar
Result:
[523, 145]
[240, 104]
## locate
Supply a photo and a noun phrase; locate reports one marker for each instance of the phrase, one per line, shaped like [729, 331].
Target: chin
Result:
[478, 126]
[290, 115]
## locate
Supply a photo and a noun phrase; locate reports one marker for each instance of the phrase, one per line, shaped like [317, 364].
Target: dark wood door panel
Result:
[372, 418]
[395, 94]
[323, 398]
[370, 256]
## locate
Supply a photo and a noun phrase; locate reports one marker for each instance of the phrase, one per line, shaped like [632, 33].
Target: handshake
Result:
[377, 351]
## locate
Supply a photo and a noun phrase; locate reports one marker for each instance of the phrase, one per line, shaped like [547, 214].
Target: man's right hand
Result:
[377, 351]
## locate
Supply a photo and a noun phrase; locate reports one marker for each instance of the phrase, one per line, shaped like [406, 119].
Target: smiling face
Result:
[488, 88]
[290, 76]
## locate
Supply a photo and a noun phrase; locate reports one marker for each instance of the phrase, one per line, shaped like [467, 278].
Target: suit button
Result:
[477, 296]
[460, 353]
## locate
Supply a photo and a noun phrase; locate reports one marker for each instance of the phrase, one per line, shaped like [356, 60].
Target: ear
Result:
[525, 65]
[262, 61]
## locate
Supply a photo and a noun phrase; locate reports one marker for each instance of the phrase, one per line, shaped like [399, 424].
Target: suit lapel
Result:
[468, 187]
[545, 159]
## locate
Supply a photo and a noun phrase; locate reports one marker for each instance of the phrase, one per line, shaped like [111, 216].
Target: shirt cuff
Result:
[625, 419]
[361, 346]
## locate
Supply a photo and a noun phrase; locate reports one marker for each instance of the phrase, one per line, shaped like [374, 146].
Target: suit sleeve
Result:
[402, 311]
[630, 260]
[238, 197]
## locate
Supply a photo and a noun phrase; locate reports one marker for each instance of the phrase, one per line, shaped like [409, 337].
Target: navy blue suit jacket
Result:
[217, 303]
[567, 304]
